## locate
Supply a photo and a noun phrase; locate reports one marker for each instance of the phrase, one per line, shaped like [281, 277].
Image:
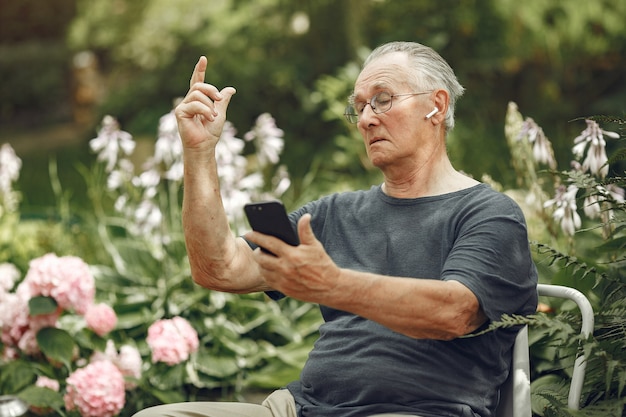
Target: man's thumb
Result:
[305, 232]
[227, 93]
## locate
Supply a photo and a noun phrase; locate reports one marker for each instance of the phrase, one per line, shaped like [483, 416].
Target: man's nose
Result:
[367, 116]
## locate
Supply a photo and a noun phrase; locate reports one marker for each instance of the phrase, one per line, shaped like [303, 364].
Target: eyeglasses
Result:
[380, 103]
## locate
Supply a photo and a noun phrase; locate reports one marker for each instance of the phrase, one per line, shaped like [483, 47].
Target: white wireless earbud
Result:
[432, 113]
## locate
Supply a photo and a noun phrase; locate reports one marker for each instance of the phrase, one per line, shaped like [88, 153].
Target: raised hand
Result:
[202, 113]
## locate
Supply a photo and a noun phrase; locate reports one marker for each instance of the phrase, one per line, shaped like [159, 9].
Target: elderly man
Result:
[404, 272]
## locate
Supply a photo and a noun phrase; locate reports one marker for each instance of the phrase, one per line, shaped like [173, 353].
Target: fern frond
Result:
[600, 118]
[505, 322]
[578, 266]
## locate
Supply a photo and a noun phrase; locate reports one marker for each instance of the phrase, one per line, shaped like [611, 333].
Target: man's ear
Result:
[441, 99]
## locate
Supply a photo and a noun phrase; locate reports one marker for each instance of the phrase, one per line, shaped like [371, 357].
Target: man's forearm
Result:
[419, 308]
[208, 236]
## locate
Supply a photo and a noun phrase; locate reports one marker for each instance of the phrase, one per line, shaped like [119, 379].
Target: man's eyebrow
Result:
[379, 86]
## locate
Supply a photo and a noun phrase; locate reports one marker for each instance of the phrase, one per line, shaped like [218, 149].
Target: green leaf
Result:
[167, 377]
[42, 305]
[275, 375]
[167, 396]
[56, 344]
[16, 375]
[133, 319]
[217, 366]
[42, 397]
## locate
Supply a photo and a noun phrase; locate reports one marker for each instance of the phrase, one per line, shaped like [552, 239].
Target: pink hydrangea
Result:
[67, 279]
[17, 327]
[9, 274]
[172, 340]
[128, 361]
[97, 390]
[100, 318]
[14, 320]
[45, 382]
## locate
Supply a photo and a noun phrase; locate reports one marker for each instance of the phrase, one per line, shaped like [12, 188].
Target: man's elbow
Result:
[209, 277]
[466, 323]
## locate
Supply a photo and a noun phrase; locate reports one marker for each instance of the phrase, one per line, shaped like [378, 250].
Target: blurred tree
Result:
[272, 51]
[34, 19]
[34, 61]
[557, 59]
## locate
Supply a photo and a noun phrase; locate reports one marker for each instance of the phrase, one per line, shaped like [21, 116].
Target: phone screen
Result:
[270, 218]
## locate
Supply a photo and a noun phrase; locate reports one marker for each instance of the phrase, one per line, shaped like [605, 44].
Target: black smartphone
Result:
[270, 218]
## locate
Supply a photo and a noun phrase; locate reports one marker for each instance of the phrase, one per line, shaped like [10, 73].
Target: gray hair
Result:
[431, 71]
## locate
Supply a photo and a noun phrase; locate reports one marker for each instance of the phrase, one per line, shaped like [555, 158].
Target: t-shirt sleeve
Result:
[491, 256]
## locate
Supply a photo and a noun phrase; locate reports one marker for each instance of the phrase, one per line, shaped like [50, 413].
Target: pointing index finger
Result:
[198, 72]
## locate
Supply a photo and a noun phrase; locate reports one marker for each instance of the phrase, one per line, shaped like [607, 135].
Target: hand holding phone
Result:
[270, 218]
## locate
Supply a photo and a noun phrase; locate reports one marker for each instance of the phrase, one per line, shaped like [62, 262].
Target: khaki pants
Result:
[278, 404]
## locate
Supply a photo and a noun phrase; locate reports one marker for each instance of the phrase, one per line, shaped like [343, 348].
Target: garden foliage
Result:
[134, 330]
[125, 311]
[577, 222]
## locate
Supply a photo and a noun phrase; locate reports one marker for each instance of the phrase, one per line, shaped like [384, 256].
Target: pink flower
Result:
[9, 274]
[17, 327]
[28, 342]
[9, 354]
[97, 390]
[45, 382]
[101, 318]
[128, 361]
[171, 341]
[67, 279]
[14, 319]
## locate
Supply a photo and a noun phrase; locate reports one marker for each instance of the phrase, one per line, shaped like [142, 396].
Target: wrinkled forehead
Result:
[389, 72]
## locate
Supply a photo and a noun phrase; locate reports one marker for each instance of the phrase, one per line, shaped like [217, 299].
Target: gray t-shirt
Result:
[358, 367]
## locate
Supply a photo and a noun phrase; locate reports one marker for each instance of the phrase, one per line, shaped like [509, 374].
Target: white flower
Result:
[251, 182]
[593, 202]
[269, 139]
[147, 218]
[616, 193]
[596, 160]
[120, 203]
[176, 171]
[168, 148]
[542, 148]
[111, 143]
[234, 200]
[148, 180]
[591, 206]
[565, 209]
[10, 166]
[121, 175]
[281, 181]
[229, 146]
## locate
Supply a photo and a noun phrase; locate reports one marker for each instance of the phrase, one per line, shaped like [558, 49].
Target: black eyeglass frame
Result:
[352, 115]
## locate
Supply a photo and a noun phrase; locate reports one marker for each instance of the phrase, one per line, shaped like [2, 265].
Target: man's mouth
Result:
[376, 139]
